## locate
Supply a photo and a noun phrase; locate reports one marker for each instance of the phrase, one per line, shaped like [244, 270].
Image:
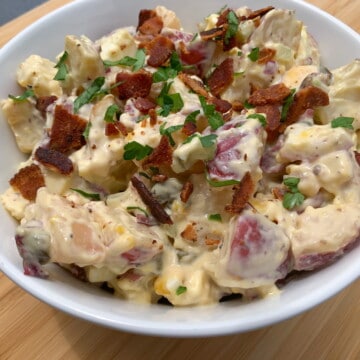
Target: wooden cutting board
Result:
[30, 329]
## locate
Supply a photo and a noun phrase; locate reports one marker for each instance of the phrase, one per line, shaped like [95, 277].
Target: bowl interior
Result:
[338, 44]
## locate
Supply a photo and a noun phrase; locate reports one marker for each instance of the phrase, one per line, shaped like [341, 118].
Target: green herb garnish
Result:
[219, 183]
[343, 121]
[206, 141]
[214, 117]
[214, 217]
[89, 94]
[111, 112]
[165, 73]
[135, 150]
[168, 131]
[86, 132]
[260, 117]
[180, 290]
[233, 24]
[293, 197]
[254, 54]
[132, 208]
[286, 105]
[91, 196]
[170, 103]
[61, 66]
[25, 95]
[192, 116]
[136, 63]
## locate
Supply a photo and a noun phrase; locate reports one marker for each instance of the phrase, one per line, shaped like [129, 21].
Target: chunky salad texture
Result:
[186, 167]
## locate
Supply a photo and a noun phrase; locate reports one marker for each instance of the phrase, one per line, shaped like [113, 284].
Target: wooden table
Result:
[30, 329]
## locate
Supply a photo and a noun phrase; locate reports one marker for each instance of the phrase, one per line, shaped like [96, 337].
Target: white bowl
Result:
[339, 45]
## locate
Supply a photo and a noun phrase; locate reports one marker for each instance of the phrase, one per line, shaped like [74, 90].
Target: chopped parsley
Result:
[25, 95]
[61, 66]
[111, 112]
[233, 24]
[180, 290]
[254, 54]
[86, 132]
[215, 119]
[135, 150]
[168, 131]
[214, 217]
[89, 94]
[169, 102]
[260, 117]
[91, 196]
[192, 116]
[247, 105]
[293, 197]
[165, 73]
[221, 183]
[343, 121]
[206, 141]
[133, 208]
[286, 105]
[136, 63]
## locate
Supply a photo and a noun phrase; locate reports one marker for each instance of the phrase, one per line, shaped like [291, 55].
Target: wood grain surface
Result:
[30, 329]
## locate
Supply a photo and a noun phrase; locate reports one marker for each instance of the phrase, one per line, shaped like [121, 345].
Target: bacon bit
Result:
[211, 242]
[241, 196]
[309, 97]
[151, 26]
[221, 77]
[256, 13]
[153, 117]
[155, 207]
[190, 56]
[159, 178]
[133, 85]
[162, 154]
[144, 105]
[43, 102]
[213, 33]
[357, 157]
[222, 106]
[113, 129]
[195, 85]
[159, 50]
[28, 180]
[274, 94]
[273, 118]
[189, 128]
[278, 193]
[189, 233]
[186, 191]
[265, 55]
[237, 106]
[54, 160]
[67, 131]
[144, 15]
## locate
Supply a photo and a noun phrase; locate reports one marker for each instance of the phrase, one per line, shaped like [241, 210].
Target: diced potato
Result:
[169, 18]
[14, 203]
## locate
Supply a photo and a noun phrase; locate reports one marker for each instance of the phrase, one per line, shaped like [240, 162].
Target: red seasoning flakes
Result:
[67, 131]
[28, 180]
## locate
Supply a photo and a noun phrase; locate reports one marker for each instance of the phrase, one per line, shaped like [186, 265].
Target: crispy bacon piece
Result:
[265, 55]
[43, 102]
[133, 85]
[195, 85]
[237, 105]
[213, 33]
[28, 180]
[189, 128]
[162, 154]
[186, 191]
[151, 26]
[189, 233]
[261, 12]
[159, 50]
[273, 117]
[147, 197]
[211, 242]
[54, 160]
[309, 97]
[274, 94]
[144, 15]
[115, 128]
[67, 131]
[222, 106]
[242, 194]
[191, 56]
[153, 117]
[221, 77]
[159, 178]
[144, 104]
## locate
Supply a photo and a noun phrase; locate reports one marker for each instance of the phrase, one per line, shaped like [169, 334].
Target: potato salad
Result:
[186, 168]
